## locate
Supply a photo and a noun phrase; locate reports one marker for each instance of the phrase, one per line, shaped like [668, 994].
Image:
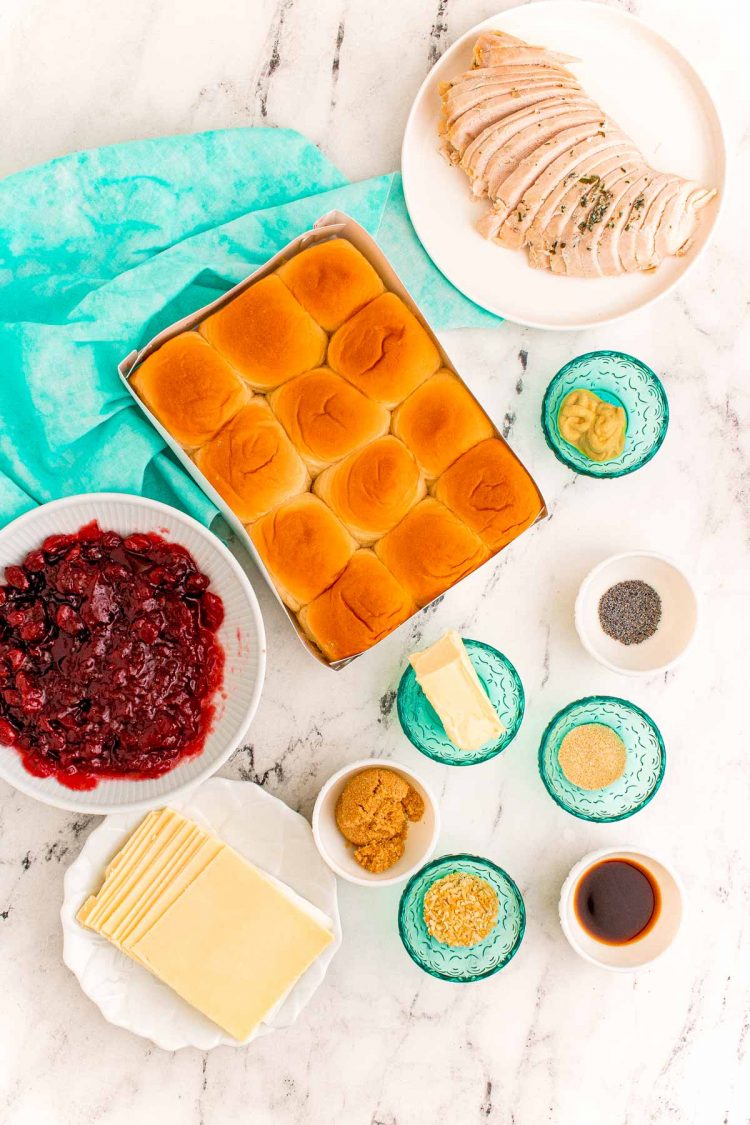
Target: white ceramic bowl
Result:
[421, 836]
[242, 636]
[679, 613]
[643, 951]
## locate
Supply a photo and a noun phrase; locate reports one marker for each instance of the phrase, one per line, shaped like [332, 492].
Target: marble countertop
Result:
[550, 1039]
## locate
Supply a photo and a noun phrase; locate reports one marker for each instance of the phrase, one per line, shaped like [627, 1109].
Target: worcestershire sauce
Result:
[617, 901]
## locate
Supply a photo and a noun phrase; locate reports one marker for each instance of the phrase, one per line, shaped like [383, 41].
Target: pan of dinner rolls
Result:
[315, 406]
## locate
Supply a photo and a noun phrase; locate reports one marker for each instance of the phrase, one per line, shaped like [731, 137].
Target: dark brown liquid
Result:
[617, 901]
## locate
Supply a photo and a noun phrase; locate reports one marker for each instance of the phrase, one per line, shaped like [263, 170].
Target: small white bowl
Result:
[241, 635]
[679, 613]
[638, 953]
[421, 836]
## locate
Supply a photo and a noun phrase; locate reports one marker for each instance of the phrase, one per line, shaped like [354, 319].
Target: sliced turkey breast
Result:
[638, 213]
[606, 253]
[566, 226]
[678, 222]
[471, 124]
[554, 239]
[533, 139]
[462, 99]
[494, 48]
[579, 256]
[594, 157]
[520, 179]
[645, 241]
[561, 178]
[509, 137]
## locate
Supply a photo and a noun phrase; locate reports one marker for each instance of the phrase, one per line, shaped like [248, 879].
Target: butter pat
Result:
[449, 680]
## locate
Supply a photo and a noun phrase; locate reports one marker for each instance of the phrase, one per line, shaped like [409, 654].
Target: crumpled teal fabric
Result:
[100, 250]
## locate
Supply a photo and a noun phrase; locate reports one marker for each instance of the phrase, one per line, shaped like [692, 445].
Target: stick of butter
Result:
[449, 680]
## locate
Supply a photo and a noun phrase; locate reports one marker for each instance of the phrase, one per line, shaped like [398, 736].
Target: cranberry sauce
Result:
[109, 659]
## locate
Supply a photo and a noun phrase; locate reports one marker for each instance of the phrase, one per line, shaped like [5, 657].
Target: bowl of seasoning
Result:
[461, 918]
[602, 759]
[375, 822]
[621, 908]
[605, 414]
[637, 613]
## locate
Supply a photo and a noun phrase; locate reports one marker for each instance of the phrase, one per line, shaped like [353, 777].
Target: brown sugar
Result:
[372, 813]
[381, 855]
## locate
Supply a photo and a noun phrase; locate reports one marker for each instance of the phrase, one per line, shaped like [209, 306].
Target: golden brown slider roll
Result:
[373, 489]
[252, 463]
[489, 489]
[304, 547]
[326, 417]
[190, 388]
[331, 280]
[266, 335]
[383, 350]
[363, 606]
[440, 421]
[430, 550]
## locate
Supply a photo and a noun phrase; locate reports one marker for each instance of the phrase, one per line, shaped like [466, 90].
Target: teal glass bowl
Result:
[620, 379]
[644, 765]
[464, 964]
[423, 728]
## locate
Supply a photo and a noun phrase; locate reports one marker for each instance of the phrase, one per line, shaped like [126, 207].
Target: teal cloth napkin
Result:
[100, 250]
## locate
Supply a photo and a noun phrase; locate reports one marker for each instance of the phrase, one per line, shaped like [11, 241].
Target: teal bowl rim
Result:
[459, 856]
[559, 450]
[603, 699]
[510, 732]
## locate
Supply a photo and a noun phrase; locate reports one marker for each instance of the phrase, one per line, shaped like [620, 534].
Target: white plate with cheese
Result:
[261, 829]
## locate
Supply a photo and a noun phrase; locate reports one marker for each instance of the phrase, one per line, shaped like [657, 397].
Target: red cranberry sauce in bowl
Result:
[109, 658]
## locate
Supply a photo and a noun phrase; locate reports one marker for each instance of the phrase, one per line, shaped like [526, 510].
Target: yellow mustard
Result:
[592, 425]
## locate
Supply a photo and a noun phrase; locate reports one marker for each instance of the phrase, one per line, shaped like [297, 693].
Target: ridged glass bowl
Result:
[462, 965]
[620, 379]
[644, 766]
[423, 728]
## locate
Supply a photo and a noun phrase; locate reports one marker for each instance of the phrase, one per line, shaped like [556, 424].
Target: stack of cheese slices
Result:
[227, 938]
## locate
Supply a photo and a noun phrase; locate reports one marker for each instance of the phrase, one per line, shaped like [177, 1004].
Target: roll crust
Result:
[489, 489]
[439, 421]
[189, 387]
[304, 547]
[363, 606]
[331, 281]
[252, 464]
[383, 350]
[266, 335]
[373, 489]
[430, 550]
[326, 417]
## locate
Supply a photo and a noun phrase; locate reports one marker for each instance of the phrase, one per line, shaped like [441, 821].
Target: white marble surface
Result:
[550, 1039]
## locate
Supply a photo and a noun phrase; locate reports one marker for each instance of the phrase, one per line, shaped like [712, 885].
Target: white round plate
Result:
[644, 84]
[263, 830]
[241, 634]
